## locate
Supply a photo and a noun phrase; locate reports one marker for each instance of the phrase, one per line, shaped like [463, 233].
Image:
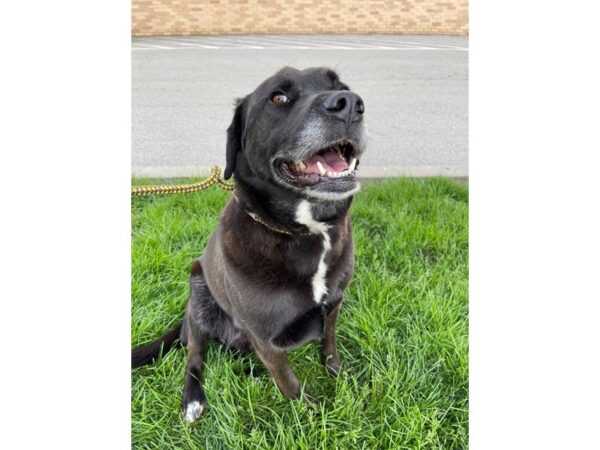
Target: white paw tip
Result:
[193, 411]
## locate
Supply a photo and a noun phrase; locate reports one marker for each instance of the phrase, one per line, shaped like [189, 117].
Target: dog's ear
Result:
[235, 136]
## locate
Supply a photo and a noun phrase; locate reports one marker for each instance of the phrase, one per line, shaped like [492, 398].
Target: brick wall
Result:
[202, 17]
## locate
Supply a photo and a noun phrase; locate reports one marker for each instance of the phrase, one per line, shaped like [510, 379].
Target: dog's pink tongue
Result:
[331, 162]
[335, 161]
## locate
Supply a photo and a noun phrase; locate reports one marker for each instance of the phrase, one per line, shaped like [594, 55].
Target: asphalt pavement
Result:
[415, 90]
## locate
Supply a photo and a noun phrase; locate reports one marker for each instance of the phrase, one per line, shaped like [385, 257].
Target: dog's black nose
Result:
[345, 105]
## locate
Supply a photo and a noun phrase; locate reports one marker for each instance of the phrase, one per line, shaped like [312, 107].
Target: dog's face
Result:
[302, 130]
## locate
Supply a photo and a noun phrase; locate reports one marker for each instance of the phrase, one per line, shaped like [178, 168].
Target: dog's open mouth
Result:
[328, 164]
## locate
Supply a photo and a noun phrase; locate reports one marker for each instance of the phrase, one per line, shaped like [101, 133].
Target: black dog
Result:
[276, 267]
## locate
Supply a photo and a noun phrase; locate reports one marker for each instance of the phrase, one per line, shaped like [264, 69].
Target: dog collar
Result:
[271, 227]
[257, 218]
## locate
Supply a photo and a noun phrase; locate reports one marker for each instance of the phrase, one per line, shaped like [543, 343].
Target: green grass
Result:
[402, 333]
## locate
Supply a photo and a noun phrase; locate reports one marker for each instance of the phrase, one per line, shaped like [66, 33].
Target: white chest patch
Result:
[319, 281]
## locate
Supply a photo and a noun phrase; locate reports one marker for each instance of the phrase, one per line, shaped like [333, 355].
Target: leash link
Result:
[164, 189]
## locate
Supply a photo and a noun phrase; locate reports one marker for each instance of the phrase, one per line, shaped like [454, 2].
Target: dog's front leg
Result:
[328, 344]
[194, 400]
[278, 364]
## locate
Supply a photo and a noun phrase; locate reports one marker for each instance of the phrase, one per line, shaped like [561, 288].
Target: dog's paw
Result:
[192, 411]
[333, 364]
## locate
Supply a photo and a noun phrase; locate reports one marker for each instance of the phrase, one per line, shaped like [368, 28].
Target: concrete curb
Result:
[363, 171]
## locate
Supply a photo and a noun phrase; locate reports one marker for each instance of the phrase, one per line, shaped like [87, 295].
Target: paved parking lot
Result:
[415, 90]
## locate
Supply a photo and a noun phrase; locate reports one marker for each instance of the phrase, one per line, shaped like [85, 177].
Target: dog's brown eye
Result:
[280, 99]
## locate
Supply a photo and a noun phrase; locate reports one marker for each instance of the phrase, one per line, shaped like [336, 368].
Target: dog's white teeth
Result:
[321, 168]
[330, 174]
[352, 165]
[300, 166]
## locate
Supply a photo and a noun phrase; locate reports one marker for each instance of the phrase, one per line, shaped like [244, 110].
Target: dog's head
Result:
[302, 130]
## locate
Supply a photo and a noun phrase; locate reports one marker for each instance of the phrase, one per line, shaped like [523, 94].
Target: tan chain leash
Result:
[214, 178]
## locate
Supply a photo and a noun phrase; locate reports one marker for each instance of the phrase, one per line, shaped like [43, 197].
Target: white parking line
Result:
[405, 41]
[433, 43]
[329, 42]
[185, 44]
[303, 48]
[299, 42]
[287, 41]
[428, 40]
[154, 47]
